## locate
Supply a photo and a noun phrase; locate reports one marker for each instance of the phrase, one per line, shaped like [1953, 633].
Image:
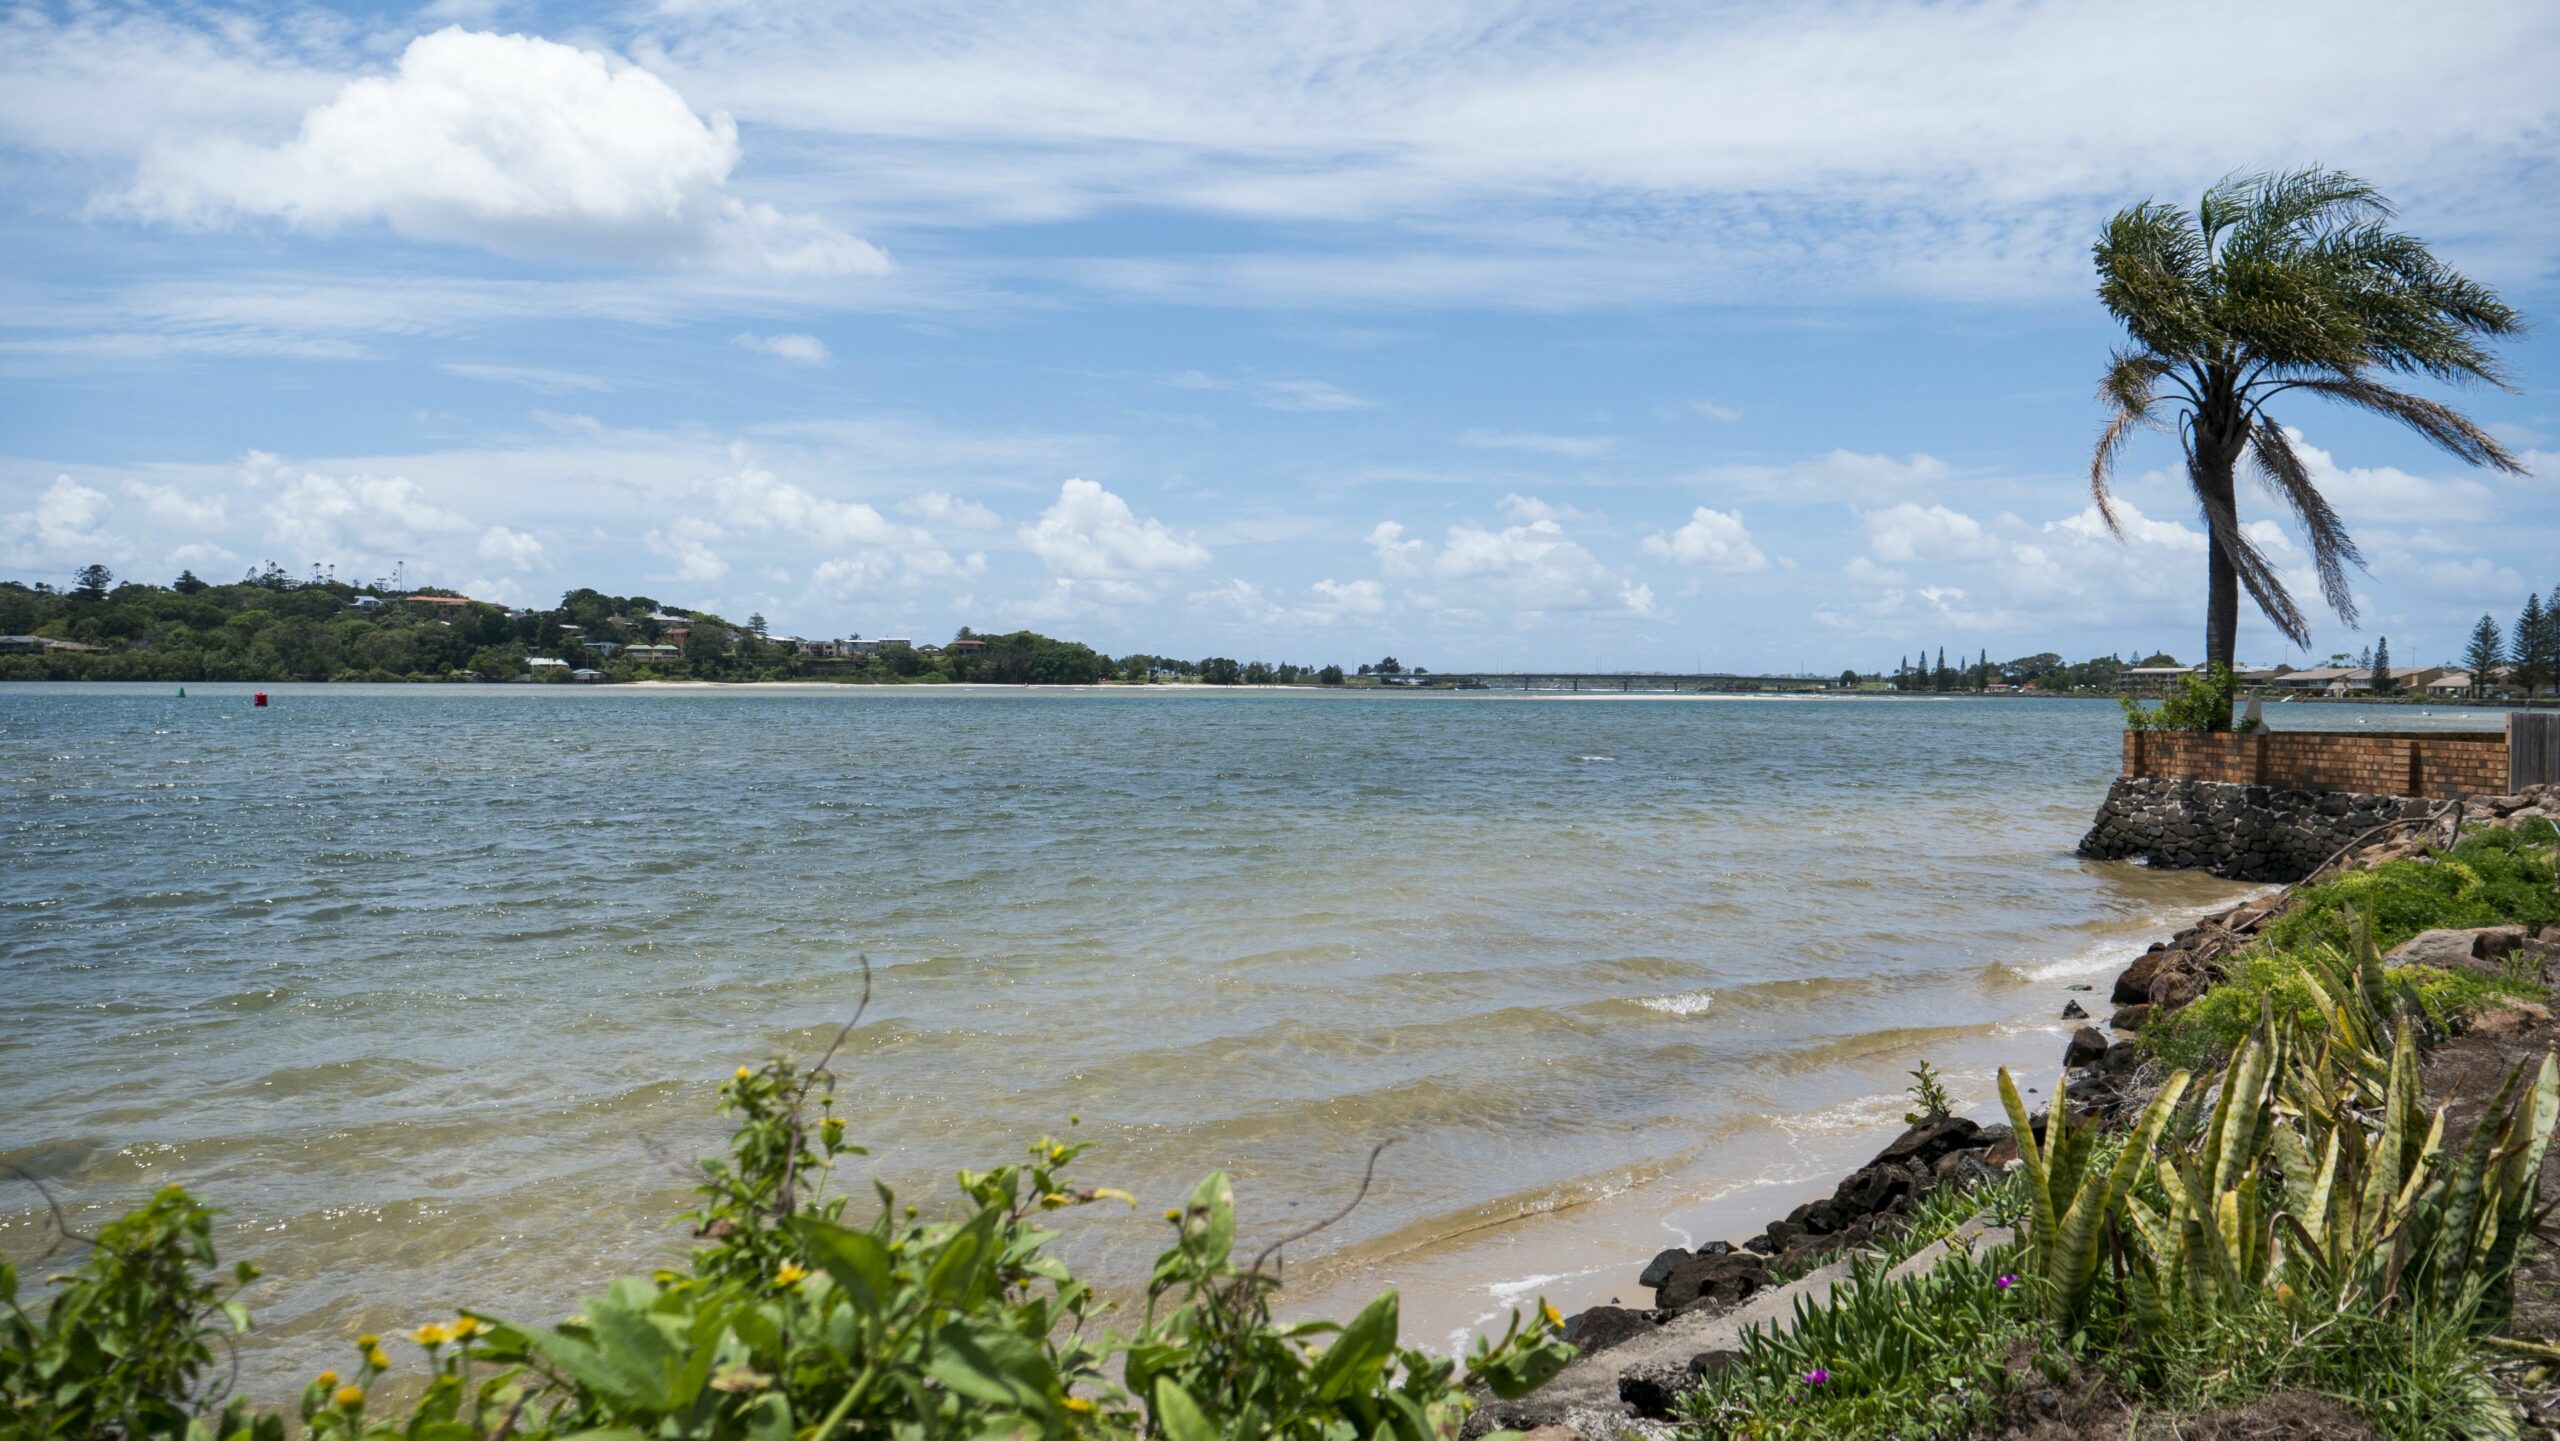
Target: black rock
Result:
[1602, 1327]
[1658, 1269]
[1930, 1139]
[2082, 987]
[1654, 1392]
[1712, 1278]
[2071, 1011]
[2087, 1045]
[1716, 1248]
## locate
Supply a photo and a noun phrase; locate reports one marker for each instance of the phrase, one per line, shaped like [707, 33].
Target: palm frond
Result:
[2130, 390]
[2151, 273]
[2265, 587]
[2332, 549]
[2448, 428]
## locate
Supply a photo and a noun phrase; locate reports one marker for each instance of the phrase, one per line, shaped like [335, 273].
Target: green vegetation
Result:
[2495, 877]
[2297, 1222]
[2195, 703]
[2273, 284]
[271, 627]
[792, 1321]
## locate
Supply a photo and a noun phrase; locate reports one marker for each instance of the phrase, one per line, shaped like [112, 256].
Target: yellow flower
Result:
[325, 1380]
[367, 1341]
[377, 1360]
[791, 1274]
[1549, 1311]
[431, 1335]
[743, 1073]
[1079, 1405]
[1173, 1213]
[1055, 1199]
[349, 1397]
[911, 1213]
[466, 1328]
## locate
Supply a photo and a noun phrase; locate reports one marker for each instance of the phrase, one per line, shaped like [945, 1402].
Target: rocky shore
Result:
[1636, 1362]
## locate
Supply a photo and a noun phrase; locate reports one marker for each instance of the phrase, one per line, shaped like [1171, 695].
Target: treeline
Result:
[271, 626]
[2044, 670]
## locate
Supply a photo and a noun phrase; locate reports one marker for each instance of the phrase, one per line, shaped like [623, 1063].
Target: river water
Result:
[428, 987]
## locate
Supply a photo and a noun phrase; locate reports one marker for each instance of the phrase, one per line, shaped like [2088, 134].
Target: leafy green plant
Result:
[1911, 1357]
[2075, 1189]
[2198, 703]
[1929, 1098]
[2496, 876]
[792, 1320]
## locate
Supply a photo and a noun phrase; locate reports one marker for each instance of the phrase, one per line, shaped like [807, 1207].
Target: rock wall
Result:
[2248, 833]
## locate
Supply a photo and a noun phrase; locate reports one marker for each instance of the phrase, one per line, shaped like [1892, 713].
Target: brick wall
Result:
[2380, 763]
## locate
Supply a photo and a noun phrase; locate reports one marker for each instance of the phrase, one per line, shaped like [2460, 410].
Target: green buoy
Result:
[182, 692]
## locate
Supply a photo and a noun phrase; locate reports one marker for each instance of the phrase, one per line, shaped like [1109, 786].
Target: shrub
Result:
[2499, 876]
[791, 1320]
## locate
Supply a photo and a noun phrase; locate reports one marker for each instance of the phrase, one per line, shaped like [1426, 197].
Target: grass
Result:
[2494, 878]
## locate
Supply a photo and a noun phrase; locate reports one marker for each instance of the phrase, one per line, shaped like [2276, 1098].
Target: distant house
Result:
[604, 649]
[2151, 679]
[449, 602]
[544, 662]
[587, 677]
[2334, 678]
[2406, 682]
[2462, 682]
[970, 646]
[651, 653]
[928, 649]
[21, 644]
[367, 603]
[676, 634]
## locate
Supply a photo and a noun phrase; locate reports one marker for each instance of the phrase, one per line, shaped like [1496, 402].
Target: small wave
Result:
[1595, 758]
[1687, 1003]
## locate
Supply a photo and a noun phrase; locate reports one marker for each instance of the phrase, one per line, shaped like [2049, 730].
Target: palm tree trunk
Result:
[2212, 478]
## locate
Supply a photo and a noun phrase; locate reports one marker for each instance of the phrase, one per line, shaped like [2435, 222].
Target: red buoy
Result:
[260, 700]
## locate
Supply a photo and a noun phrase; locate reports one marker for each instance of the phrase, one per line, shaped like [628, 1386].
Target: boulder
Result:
[2071, 1011]
[1658, 1270]
[2130, 1018]
[2482, 949]
[1602, 1327]
[2135, 983]
[1552, 1433]
[2087, 1044]
[1927, 1140]
[2173, 987]
[2512, 1021]
[1654, 1392]
[1721, 1279]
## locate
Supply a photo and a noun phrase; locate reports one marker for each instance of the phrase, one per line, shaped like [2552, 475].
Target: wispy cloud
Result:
[1581, 447]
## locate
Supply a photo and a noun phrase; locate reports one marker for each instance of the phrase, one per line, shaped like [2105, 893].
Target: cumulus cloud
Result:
[512, 548]
[510, 143]
[354, 520]
[688, 542]
[1715, 539]
[867, 549]
[1531, 568]
[1326, 602]
[170, 506]
[63, 524]
[1907, 532]
[1090, 534]
[943, 509]
[799, 349]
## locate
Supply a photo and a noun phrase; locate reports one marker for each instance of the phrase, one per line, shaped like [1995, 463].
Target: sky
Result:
[1582, 335]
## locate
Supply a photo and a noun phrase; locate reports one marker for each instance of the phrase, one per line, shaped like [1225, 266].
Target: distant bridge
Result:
[1612, 682]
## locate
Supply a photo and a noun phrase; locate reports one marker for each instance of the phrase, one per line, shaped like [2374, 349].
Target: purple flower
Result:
[1816, 1376]
[2005, 1282]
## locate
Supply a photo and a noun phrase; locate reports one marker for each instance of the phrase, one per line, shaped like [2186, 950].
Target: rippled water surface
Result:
[428, 986]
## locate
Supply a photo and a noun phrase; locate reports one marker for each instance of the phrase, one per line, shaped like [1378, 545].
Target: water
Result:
[428, 986]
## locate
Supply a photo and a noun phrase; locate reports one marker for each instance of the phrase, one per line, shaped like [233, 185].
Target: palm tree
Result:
[2281, 283]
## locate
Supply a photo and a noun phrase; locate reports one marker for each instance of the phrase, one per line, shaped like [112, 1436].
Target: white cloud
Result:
[867, 549]
[1716, 539]
[1535, 442]
[511, 548]
[63, 521]
[943, 509]
[1933, 533]
[799, 349]
[1326, 602]
[511, 143]
[1275, 394]
[170, 506]
[1713, 411]
[1530, 568]
[1088, 533]
[688, 543]
[2388, 494]
[356, 521]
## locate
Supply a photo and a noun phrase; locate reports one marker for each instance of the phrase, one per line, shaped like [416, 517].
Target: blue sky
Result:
[1752, 337]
